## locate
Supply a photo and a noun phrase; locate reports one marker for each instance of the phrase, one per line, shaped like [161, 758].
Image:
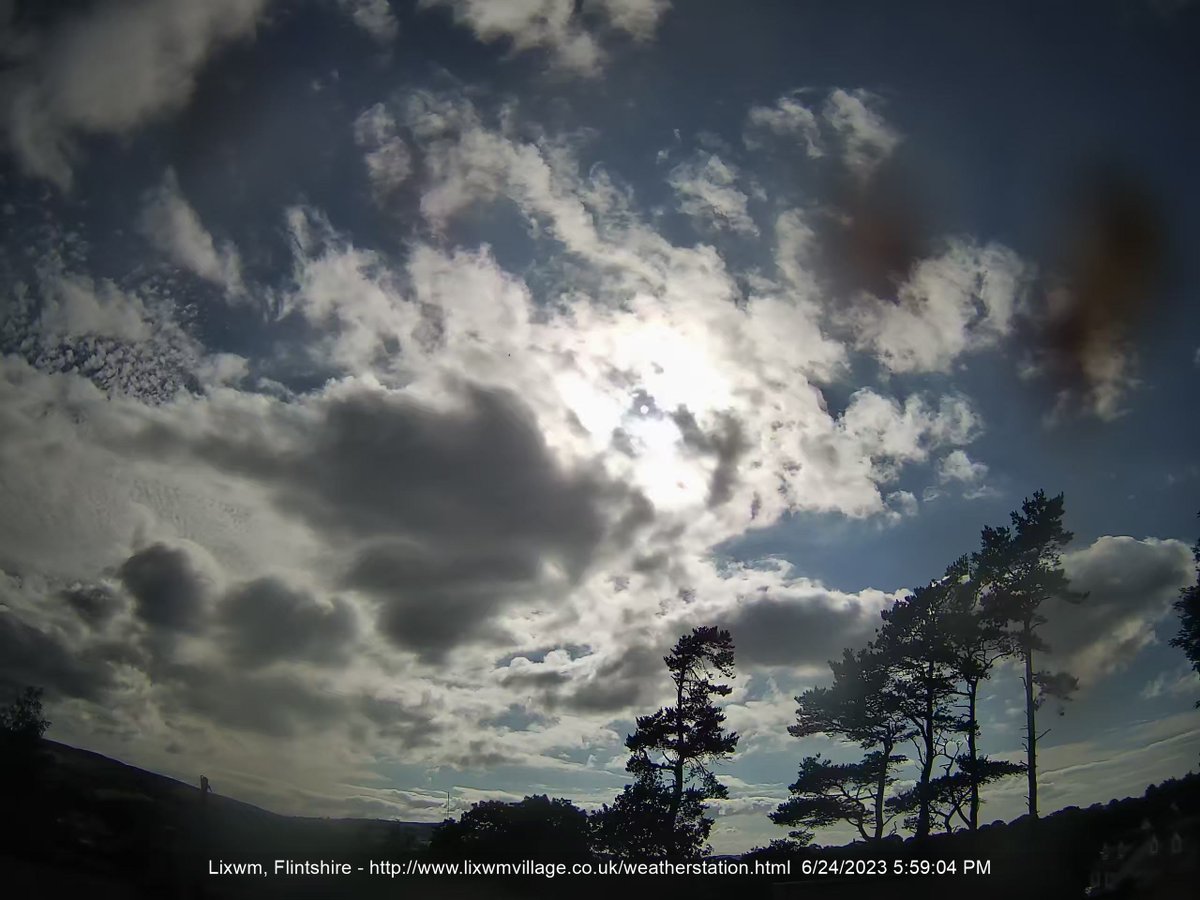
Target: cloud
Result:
[959, 469]
[962, 300]
[801, 625]
[788, 117]
[268, 620]
[174, 228]
[707, 193]
[170, 589]
[437, 507]
[612, 683]
[76, 306]
[1108, 374]
[866, 138]
[122, 341]
[903, 504]
[375, 17]
[386, 156]
[109, 70]
[37, 655]
[1132, 584]
[555, 27]
[1181, 681]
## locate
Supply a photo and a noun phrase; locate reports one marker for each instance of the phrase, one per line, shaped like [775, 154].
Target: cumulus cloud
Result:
[866, 137]
[959, 301]
[269, 620]
[802, 625]
[375, 17]
[787, 117]
[30, 654]
[847, 124]
[956, 468]
[170, 223]
[566, 34]
[385, 154]
[454, 508]
[1131, 585]
[708, 192]
[108, 70]
[171, 591]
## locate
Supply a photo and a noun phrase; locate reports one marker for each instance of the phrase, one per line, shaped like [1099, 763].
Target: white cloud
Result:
[387, 158]
[960, 301]
[374, 17]
[867, 139]
[74, 306]
[903, 504]
[1182, 681]
[554, 26]
[788, 117]
[958, 468]
[708, 192]
[110, 69]
[169, 222]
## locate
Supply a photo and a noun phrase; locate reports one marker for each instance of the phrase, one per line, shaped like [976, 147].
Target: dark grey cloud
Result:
[1131, 585]
[434, 598]
[727, 444]
[478, 476]
[516, 718]
[448, 516]
[95, 604]
[29, 655]
[619, 683]
[274, 704]
[535, 676]
[626, 679]
[410, 725]
[168, 591]
[774, 630]
[267, 620]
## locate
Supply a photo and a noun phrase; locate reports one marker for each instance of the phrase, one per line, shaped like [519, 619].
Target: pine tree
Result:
[672, 751]
[1188, 607]
[1020, 568]
[857, 706]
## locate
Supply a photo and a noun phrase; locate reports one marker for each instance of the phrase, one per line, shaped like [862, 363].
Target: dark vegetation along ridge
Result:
[109, 830]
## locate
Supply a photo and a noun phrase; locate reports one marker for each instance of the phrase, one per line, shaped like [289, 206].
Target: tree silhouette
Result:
[916, 649]
[22, 763]
[1188, 607]
[537, 828]
[1019, 568]
[826, 792]
[953, 795]
[672, 749]
[859, 707]
[638, 824]
[977, 641]
[22, 723]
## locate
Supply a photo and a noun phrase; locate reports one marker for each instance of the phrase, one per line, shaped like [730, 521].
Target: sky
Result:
[385, 387]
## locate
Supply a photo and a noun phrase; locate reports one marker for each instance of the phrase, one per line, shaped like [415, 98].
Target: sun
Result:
[665, 371]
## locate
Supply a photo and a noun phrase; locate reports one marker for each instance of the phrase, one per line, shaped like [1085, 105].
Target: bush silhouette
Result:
[537, 828]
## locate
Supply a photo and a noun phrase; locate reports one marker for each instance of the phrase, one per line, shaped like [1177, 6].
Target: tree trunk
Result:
[973, 754]
[677, 787]
[923, 823]
[1030, 723]
[881, 788]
